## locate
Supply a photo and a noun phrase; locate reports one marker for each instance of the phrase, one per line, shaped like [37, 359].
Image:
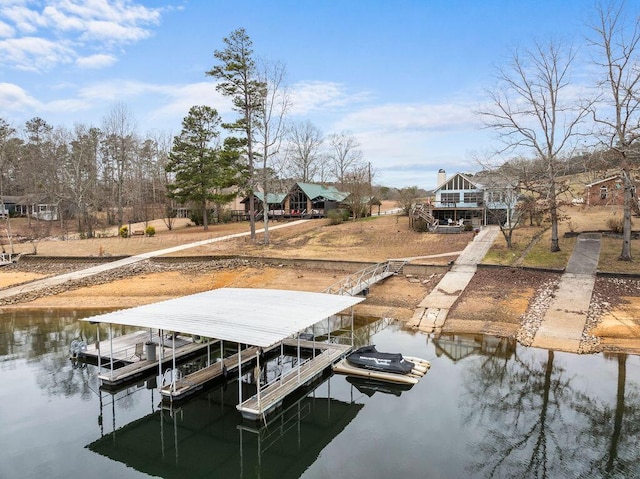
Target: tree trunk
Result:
[205, 218]
[625, 255]
[553, 211]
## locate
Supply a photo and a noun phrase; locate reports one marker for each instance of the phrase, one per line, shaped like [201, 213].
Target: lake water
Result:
[487, 408]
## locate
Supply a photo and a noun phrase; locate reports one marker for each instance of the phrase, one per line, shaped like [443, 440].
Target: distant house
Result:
[304, 200]
[8, 207]
[275, 203]
[312, 200]
[461, 199]
[36, 206]
[606, 192]
[458, 199]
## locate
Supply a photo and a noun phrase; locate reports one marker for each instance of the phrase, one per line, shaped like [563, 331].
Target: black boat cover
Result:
[368, 357]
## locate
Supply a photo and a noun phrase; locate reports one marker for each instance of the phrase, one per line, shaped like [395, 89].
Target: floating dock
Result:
[256, 320]
[271, 395]
[131, 350]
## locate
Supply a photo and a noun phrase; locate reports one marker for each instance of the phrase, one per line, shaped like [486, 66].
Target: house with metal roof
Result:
[304, 200]
[313, 200]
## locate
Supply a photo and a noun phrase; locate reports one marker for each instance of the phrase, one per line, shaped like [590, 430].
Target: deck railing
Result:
[361, 280]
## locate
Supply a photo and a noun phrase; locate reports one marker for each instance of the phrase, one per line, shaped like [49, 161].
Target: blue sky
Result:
[404, 76]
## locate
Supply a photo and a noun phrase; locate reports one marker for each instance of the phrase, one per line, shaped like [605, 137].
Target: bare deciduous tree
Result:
[304, 150]
[533, 109]
[344, 153]
[119, 143]
[618, 113]
[270, 126]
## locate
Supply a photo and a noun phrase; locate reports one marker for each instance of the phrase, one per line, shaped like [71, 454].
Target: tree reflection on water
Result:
[613, 429]
[538, 421]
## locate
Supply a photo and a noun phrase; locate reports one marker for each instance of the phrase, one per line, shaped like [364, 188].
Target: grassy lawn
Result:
[610, 249]
[538, 239]
[540, 256]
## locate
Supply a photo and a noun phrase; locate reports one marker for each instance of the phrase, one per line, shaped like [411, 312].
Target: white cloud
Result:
[6, 30]
[15, 99]
[99, 25]
[420, 117]
[26, 21]
[312, 96]
[96, 61]
[34, 54]
[178, 99]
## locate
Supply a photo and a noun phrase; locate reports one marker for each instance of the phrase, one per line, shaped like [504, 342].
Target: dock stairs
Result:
[360, 281]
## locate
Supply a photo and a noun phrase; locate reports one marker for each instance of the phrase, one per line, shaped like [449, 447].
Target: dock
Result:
[129, 349]
[197, 380]
[272, 395]
[256, 320]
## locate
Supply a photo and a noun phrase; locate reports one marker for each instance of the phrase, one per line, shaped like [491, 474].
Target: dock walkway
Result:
[197, 380]
[273, 394]
[124, 351]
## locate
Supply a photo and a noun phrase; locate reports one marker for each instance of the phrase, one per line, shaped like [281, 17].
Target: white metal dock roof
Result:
[257, 317]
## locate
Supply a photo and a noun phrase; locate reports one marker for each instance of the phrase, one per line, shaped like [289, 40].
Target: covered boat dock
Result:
[256, 321]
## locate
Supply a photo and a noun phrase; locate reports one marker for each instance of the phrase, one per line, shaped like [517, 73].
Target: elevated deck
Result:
[272, 395]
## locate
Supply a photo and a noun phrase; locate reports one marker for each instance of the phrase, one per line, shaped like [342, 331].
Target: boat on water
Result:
[368, 357]
[368, 362]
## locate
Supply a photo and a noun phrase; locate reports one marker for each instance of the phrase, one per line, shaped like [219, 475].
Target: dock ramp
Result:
[360, 281]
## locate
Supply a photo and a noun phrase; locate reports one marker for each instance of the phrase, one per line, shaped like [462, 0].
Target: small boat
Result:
[368, 357]
[391, 367]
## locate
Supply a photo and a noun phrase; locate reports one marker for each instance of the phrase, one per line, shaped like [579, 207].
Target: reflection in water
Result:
[207, 438]
[612, 429]
[538, 421]
[527, 412]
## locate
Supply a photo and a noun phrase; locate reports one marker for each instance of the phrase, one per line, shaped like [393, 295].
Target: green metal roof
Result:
[272, 198]
[313, 191]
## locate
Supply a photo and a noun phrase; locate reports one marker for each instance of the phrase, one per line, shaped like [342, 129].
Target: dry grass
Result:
[371, 239]
[531, 245]
[610, 249]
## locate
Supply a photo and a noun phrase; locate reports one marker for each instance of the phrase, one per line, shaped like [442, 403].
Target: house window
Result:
[450, 197]
[473, 197]
[298, 201]
[495, 197]
[603, 192]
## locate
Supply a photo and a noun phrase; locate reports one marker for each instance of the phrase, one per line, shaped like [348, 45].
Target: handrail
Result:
[355, 280]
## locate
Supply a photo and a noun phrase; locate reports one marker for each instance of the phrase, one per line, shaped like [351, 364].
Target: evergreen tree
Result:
[201, 171]
[238, 80]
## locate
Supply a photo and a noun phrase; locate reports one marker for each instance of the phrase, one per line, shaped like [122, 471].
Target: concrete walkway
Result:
[434, 308]
[565, 319]
[83, 273]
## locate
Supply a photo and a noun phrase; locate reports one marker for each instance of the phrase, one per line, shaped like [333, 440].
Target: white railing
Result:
[364, 278]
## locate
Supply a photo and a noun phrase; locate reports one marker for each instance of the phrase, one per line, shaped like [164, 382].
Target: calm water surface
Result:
[487, 408]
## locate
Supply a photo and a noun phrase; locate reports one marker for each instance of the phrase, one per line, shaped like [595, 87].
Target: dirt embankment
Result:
[148, 282]
[506, 302]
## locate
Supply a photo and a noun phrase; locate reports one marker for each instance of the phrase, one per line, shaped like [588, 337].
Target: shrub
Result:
[226, 216]
[615, 224]
[196, 217]
[150, 231]
[335, 217]
[124, 231]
